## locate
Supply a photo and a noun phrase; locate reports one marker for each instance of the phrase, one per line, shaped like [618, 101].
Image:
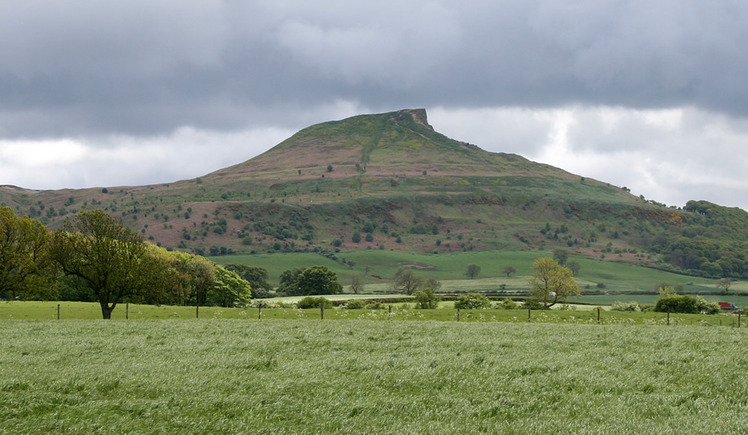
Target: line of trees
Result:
[95, 257]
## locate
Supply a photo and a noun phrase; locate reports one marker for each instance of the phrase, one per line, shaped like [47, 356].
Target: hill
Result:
[390, 181]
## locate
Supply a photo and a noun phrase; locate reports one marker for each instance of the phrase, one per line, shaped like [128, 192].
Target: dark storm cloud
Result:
[143, 67]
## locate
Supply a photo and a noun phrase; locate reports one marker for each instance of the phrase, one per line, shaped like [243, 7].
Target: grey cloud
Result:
[141, 67]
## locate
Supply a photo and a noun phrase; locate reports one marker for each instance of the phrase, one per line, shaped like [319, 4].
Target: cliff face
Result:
[419, 116]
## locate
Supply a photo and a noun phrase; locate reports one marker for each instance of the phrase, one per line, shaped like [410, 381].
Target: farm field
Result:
[354, 376]
[377, 267]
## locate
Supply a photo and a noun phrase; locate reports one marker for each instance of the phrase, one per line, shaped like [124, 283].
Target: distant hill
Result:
[390, 181]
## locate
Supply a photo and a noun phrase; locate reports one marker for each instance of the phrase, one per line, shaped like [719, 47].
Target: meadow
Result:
[355, 376]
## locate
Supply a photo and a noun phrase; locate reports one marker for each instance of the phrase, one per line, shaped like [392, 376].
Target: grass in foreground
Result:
[301, 376]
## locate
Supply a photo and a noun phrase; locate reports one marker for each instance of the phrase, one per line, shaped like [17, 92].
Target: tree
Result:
[192, 277]
[724, 284]
[433, 284]
[472, 271]
[105, 256]
[407, 281]
[256, 277]
[357, 284]
[25, 267]
[289, 281]
[668, 289]
[426, 299]
[560, 255]
[473, 301]
[508, 270]
[552, 282]
[318, 280]
[228, 289]
[574, 266]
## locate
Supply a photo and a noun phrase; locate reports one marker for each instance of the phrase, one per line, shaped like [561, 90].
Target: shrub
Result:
[677, 304]
[686, 304]
[507, 304]
[426, 299]
[313, 302]
[623, 306]
[355, 304]
[707, 307]
[473, 301]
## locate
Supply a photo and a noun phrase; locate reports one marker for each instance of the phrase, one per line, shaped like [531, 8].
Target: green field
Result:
[587, 314]
[596, 278]
[305, 376]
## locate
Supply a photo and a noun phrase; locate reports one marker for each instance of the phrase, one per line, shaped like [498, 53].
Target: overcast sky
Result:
[648, 95]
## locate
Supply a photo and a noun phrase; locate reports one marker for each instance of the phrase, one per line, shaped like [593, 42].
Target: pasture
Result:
[377, 267]
[356, 376]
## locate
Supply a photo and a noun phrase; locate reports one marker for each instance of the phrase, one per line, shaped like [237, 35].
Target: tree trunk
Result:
[106, 311]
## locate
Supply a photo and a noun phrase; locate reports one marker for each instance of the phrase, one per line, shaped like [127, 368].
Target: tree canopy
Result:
[26, 269]
[313, 280]
[473, 270]
[256, 276]
[105, 256]
[552, 282]
[228, 289]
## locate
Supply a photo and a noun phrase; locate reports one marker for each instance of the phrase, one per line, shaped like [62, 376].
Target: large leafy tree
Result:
[318, 280]
[25, 267]
[256, 276]
[228, 289]
[105, 256]
[189, 277]
[552, 282]
[289, 281]
[408, 281]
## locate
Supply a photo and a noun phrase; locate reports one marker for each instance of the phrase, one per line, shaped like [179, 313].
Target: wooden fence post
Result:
[458, 314]
[528, 314]
[322, 311]
[58, 311]
[259, 312]
[739, 314]
[127, 311]
[668, 317]
[598, 315]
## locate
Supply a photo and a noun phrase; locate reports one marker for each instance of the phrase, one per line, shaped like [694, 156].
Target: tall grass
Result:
[280, 376]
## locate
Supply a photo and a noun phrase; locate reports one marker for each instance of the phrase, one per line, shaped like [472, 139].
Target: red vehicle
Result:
[727, 305]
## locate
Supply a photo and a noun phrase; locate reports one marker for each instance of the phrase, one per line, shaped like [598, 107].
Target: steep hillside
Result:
[390, 181]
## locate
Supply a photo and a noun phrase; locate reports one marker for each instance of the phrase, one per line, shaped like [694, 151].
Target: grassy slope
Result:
[368, 377]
